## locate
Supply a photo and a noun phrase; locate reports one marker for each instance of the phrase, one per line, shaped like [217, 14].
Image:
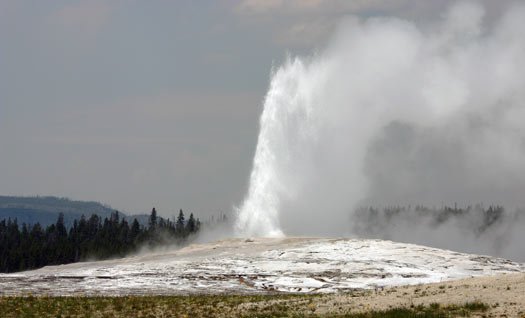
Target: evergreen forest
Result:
[25, 247]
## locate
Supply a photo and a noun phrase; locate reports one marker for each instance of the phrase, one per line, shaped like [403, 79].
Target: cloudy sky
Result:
[152, 103]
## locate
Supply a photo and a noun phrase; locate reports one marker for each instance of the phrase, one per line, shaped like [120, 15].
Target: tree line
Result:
[476, 218]
[32, 246]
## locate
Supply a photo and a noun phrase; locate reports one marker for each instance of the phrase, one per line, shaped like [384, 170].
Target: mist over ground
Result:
[473, 229]
[391, 113]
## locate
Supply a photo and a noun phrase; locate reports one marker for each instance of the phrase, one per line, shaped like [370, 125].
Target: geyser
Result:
[392, 112]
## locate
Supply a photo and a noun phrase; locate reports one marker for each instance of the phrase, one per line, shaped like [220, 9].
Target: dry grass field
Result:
[495, 296]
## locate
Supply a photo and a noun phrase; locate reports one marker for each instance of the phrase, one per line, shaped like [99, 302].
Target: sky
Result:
[153, 103]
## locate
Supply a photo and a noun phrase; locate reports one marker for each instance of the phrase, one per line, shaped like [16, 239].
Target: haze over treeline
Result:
[479, 229]
[46, 209]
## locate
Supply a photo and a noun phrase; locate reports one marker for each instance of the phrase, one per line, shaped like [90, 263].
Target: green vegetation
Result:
[208, 306]
[28, 247]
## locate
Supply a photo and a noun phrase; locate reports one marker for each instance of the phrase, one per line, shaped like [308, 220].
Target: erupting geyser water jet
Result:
[458, 82]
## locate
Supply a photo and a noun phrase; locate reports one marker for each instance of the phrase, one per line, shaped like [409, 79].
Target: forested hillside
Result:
[45, 210]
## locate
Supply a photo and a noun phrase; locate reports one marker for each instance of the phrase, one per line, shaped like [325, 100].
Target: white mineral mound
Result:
[260, 265]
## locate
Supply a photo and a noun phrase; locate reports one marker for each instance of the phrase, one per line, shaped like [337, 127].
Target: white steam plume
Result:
[457, 87]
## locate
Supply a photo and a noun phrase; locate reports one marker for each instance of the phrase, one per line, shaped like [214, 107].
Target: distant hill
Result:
[45, 210]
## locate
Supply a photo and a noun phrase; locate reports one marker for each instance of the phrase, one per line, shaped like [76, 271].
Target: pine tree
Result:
[191, 226]
[153, 219]
[134, 232]
[179, 226]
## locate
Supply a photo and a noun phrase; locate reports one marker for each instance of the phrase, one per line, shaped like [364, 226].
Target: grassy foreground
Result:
[207, 306]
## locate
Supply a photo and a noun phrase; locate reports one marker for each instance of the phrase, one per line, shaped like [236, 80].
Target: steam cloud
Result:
[392, 113]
